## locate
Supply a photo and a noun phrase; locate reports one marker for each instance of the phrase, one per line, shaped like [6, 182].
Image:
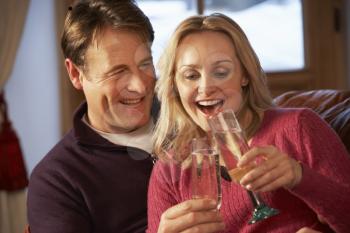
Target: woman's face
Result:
[209, 76]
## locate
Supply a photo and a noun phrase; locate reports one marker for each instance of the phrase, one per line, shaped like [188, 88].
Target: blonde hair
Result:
[175, 128]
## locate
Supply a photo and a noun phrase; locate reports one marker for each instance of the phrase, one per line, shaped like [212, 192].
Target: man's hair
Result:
[86, 19]
[175, 128]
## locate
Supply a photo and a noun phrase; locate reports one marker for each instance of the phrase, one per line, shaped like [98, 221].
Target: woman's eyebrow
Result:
[223, 61]
[196, 66]
[193, 66]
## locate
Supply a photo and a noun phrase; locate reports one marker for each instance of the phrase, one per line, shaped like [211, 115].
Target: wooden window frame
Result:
[325, 54]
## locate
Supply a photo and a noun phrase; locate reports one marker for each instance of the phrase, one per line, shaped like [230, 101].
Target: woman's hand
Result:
[275, 170]
[307, 230]
[198, 215]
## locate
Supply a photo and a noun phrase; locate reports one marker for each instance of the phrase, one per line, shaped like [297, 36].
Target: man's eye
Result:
[116, 73]
[146, 65]
[120, 71]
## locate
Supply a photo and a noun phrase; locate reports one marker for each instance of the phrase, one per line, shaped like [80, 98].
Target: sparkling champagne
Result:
[206, 176]
[232, 146]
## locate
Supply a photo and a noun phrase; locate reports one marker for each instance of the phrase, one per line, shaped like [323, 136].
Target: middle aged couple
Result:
[97, 177]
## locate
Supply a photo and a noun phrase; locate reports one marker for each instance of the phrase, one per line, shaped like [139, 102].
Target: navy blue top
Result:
[88, 184]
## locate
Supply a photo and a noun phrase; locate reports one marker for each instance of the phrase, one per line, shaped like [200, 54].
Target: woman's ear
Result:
[74, 74]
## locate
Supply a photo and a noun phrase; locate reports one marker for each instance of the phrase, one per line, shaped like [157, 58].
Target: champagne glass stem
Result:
[254, 198]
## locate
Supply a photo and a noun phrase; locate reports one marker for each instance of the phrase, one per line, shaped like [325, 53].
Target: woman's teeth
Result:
[209, 107]
[208, 102]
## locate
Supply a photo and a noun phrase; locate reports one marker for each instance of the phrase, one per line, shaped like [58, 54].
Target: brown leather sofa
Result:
[332, 105]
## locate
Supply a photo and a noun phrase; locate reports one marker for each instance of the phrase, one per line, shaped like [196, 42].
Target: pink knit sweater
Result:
[324, 188]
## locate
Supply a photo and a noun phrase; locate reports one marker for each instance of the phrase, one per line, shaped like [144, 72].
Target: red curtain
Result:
[13, 175]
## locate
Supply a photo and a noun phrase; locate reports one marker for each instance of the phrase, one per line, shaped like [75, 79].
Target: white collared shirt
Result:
[140, 138]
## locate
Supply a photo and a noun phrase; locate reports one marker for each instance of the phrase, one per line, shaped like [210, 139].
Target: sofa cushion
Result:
[332, 105]
[339, 118]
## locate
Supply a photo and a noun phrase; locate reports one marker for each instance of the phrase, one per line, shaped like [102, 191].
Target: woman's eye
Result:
[191, 75]
[221, 74]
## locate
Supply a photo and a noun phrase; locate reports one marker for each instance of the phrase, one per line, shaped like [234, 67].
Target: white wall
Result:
[33, 89]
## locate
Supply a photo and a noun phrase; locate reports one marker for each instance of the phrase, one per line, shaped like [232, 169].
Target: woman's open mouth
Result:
[210, 107]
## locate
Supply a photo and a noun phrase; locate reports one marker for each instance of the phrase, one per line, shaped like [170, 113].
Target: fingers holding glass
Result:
[191, 215]
[276, 170]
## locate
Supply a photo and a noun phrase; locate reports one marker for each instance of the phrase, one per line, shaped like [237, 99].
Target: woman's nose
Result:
[206, 85]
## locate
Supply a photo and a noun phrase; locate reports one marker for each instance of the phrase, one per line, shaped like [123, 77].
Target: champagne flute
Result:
[232, 144]
[206, 182]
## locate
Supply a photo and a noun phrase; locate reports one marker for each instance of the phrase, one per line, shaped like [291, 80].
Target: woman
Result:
[210, 66]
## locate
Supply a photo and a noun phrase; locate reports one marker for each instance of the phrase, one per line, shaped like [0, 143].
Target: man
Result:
[95, 179]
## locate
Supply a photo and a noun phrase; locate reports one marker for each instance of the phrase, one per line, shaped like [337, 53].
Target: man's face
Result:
[118, 81]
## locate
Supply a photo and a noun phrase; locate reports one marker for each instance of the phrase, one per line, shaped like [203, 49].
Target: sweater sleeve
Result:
[54, 205]
[325, 184]
[161, 194]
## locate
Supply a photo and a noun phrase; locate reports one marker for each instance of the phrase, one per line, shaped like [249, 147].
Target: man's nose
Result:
[137, 83]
